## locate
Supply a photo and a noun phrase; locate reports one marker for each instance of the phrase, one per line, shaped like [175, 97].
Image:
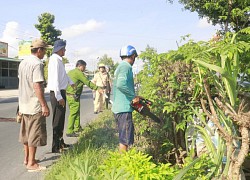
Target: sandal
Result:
[25, 162]
[38, 169]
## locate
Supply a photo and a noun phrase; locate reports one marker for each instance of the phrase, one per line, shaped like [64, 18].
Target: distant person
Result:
[108, 89]
[123, 94]
[73, 97]
[32, 105]
[58, 81]
[101, 79]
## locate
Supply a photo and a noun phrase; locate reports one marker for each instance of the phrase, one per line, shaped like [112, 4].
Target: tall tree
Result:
[48, 33]
[232, 14]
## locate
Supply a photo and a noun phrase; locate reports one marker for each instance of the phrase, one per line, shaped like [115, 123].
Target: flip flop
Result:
[38, 169]
[25, 163]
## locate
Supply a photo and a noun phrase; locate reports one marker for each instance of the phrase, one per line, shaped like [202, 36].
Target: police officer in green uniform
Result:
[73, 97]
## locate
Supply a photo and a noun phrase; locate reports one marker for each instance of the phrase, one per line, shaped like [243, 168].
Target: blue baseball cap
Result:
[58, 45]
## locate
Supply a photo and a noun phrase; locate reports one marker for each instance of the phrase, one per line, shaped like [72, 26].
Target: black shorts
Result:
[125, 128]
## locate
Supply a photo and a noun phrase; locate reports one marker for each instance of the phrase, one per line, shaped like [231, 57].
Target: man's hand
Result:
[73, 86]
[136, 99]
[100, 90]
[61, 102]
[108, 91]
[45, 110]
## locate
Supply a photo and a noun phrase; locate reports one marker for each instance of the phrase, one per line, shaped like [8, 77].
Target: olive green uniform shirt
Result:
[79, 79]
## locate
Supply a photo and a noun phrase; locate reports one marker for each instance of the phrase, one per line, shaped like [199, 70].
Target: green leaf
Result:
[211, 66]
[185, 169]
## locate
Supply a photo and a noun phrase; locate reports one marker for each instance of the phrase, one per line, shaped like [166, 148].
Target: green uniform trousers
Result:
[74, 115]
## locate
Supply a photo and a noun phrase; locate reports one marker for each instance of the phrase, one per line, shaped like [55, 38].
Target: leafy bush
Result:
[135, 165]
[199, 168]
[168, 80]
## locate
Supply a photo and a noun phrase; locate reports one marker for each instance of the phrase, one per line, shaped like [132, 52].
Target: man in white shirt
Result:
[58, 81]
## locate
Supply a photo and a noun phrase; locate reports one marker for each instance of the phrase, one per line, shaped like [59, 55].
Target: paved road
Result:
[11, 152]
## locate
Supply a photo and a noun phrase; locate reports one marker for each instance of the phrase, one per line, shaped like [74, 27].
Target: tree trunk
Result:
[228, 15]
[238, 161]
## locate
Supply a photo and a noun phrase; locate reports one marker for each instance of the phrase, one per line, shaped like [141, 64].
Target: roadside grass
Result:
[96, 156]
[82, 161]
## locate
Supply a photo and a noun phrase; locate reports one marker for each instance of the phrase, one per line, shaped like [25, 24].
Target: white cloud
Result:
[203, 23]
[9, 36]
[12, 34]
[79, 29]
[10, 30]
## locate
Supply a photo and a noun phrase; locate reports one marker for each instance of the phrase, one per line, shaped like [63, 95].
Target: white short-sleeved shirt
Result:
[30, 71]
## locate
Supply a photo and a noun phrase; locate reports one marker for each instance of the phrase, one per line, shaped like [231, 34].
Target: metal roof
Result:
[10, 59]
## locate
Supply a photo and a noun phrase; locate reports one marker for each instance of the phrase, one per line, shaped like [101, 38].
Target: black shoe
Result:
[56, 151]
[72, 135]
[65, 145]
[95, 112]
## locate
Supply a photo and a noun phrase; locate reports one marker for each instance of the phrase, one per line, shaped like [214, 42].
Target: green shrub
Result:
[199, 168]
[82, 161]
[135, 165]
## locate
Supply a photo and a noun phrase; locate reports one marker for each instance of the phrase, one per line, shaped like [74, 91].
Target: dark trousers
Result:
[107, 100]
[58, 120]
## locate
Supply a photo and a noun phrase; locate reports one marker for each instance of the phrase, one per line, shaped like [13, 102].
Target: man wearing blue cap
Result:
[58, 81]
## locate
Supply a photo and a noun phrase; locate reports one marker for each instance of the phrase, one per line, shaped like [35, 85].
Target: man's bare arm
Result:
[38, 87]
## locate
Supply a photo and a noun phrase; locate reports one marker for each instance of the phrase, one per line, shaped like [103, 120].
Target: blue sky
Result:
[94, 28]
